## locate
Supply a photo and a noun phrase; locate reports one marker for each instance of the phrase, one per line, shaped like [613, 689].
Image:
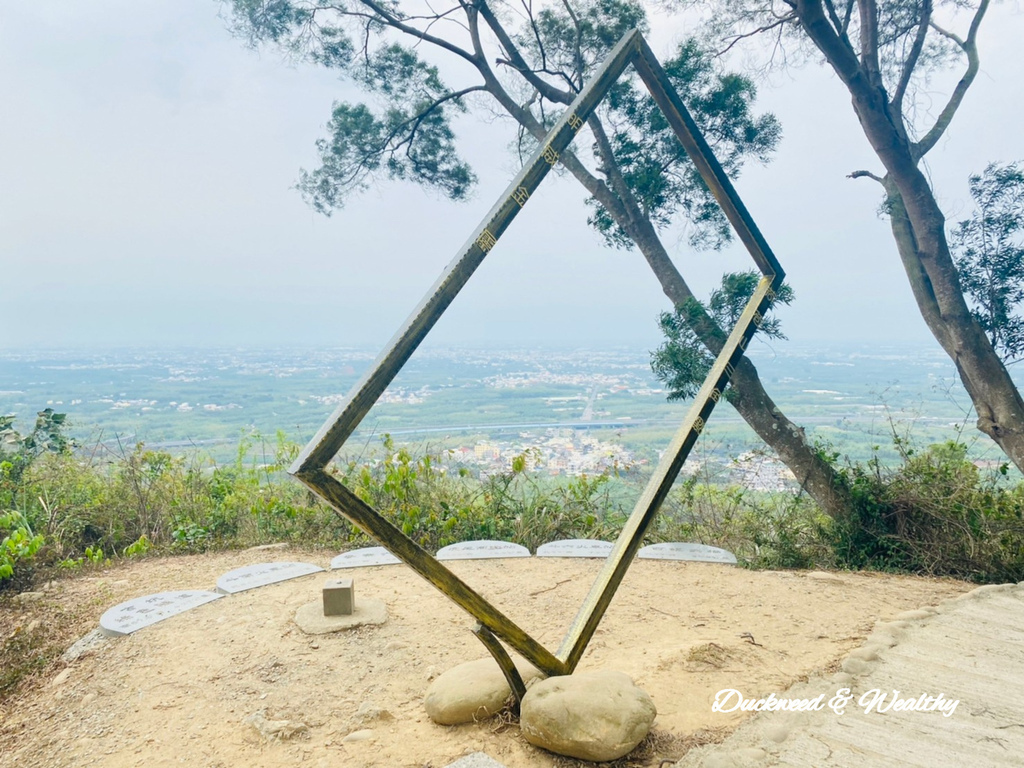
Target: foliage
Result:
[653, 164]
[937, 515]
[437, 507]
[528, 62]
[989, 255]
[17, 454]
[682, 362]
[933, 514]
[763, 530]
[19, 543]
[549, 52]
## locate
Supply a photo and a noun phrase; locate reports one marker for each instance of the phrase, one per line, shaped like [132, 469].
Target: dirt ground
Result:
[184, 691]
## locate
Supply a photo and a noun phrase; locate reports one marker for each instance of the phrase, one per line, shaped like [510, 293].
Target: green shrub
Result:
[936, 514]
[763, 530]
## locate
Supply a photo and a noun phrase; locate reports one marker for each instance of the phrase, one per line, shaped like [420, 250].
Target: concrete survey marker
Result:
[125, 618]
[678, 550]
[482, 550]
[358, 558]
[252, 576]
[576, 548]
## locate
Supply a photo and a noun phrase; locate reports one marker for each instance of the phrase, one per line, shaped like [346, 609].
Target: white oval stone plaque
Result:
[575, 548]
[677, 550]
[125, 618]
[481, 550]
[261, 574]
[357, 558]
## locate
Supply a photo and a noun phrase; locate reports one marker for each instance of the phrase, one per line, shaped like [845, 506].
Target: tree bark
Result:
[936, 289]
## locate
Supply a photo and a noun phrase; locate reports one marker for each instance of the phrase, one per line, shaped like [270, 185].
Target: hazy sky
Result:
[147, 160]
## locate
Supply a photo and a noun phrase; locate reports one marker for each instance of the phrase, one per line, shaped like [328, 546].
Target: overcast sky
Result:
[147, 164]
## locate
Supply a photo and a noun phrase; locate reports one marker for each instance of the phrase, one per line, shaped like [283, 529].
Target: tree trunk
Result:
[920, 232]
[936, 289]
[814, 473]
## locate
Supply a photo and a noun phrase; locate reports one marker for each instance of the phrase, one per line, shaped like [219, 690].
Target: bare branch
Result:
[837, 49]
[946, 33]
[869, 40]
[395, 23]
[578, 52]
[548, 91]
[866, 175]
[845, 28]
[970, 47]
[779, 22]
[833, 16]
[912, 57]
[528, 7]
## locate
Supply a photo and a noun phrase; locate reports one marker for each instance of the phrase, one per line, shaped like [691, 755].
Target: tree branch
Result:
[782, 20]
[912, 57]
[395, 23]
[833, 16]
[970, 47]
[548, 91]
[578, 52]
[418, 119]
[838, 50]
[846, 21]
[869, 40]
[866, 175]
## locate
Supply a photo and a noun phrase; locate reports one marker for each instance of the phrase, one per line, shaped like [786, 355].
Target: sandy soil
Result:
[182, 692]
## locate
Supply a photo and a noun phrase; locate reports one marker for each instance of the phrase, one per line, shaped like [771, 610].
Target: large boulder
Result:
[472, 691]
[595, 716]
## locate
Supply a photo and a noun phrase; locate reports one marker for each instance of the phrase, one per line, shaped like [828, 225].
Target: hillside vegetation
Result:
[64, 507]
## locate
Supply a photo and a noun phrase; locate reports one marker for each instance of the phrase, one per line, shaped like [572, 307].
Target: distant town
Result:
[566, 412]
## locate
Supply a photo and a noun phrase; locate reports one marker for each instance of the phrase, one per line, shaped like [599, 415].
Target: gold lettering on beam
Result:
[729, 370]
[758, 319]
[698, 425]
[716, 394]
[521, 195]
[770, 295]
[550, 156]
[574, 122]
[486, 241]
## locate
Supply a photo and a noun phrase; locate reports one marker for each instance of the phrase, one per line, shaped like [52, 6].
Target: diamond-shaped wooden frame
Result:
[310, 467]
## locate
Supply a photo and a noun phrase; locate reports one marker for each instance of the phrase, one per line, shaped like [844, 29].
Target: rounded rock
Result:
[597, 716]
[472, 691]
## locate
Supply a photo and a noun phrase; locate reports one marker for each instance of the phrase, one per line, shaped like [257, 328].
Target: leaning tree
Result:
[528, 64]
[887, 54]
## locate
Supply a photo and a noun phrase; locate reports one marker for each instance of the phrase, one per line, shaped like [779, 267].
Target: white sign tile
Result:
[125, 618]
[576, 548]
[481, 550]
[677, 550]
[252, 576]
[357, 558]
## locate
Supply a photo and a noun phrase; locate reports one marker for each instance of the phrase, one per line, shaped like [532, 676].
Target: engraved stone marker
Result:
[125, 618]
[575, 548]
[261, 574]
[678, 550]
[366, 556]
[481, 550]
